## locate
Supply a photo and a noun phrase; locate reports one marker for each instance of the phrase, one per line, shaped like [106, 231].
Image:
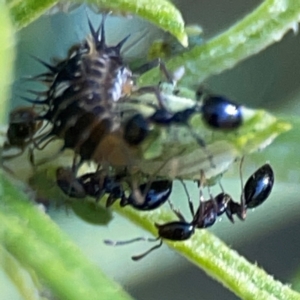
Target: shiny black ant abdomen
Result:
[217, 112]
[154, 194]
[221, 113]
[147, 196]
[255, 192]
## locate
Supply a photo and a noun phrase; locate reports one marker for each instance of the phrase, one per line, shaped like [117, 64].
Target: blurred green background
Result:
[271, 234]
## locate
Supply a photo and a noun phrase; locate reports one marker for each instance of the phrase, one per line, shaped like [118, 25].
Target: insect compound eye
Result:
[136, 130]
[259, 186]
[221, 113]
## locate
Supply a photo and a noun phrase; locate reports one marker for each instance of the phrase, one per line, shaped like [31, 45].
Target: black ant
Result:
[97, 184]
[22, 126]
[255, 192]
[217, 112]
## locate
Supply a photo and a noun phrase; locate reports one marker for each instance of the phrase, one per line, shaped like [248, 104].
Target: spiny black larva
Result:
[81, 100]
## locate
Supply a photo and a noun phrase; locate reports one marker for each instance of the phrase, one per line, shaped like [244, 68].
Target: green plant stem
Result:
[7, 57]
[33, 239]
[208, 252]
[265, 25]
[24, 12]
[160, 12]
[17, 275]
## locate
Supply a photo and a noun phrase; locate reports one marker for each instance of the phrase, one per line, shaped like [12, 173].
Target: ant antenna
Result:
[201, 197]
[191, 205]
[138, 257]
[202, 144]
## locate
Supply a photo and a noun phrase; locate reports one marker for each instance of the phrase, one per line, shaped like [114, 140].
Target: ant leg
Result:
[191, 205]
[138, 257]
[176, 212]
[231, 206]
[153, 90]
[202, 144]
[147, 66]
[213, 200]
[12, 156]
[121, 243]
[171, 77]
[201, 211]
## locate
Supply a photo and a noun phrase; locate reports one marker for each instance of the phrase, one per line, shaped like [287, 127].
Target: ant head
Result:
[23, 124]
[136, 130]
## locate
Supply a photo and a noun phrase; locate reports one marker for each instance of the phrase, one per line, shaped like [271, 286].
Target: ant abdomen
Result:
[259, 186]
[220, 113]
[154, 195]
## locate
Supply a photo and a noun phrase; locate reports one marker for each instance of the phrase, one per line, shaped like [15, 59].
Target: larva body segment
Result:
[82, 96]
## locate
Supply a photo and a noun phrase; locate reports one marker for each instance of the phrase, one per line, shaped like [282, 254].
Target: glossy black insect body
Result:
[22, 126]
[211, 209]
[95, 185]
[176, 231]
[255, 192]
[220, 113]
[259, 186]
[182, 230]
[217, 112]
[136, 130]
[154, 195]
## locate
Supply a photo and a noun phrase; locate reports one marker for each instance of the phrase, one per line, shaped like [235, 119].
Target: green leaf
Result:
[17, 275]
[160, 12]
[33, 239]
[204, 249]
[264, 26]
[24, 12]
[7, 56]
